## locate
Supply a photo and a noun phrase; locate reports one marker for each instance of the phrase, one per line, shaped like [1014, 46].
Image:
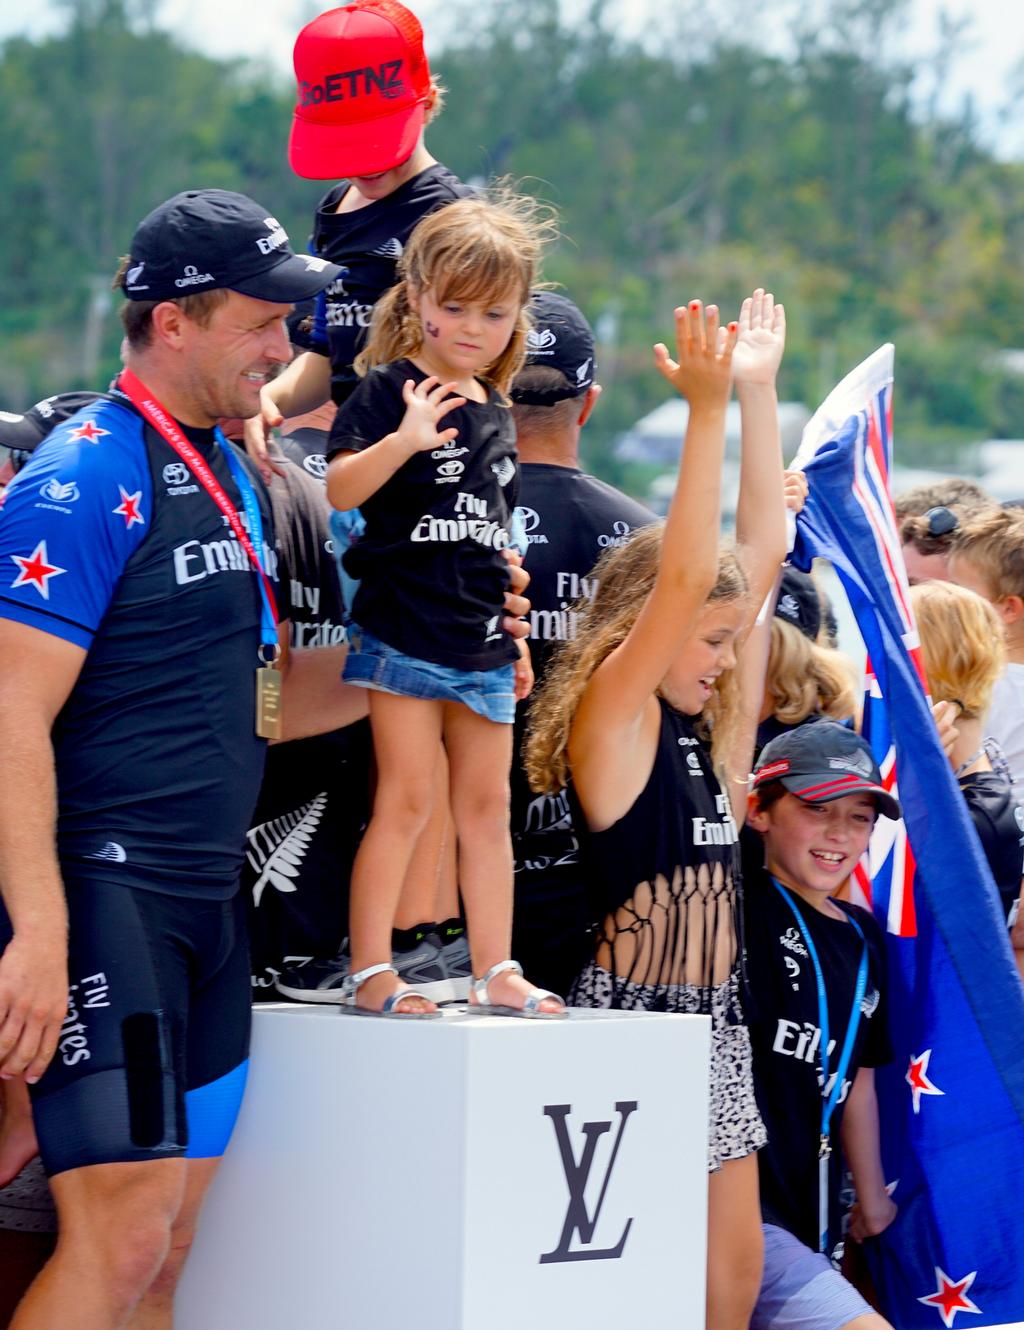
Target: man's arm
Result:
[313, 698]
[874, 1210]
[37, 673]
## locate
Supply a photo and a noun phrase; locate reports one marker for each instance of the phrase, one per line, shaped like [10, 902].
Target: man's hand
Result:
[516, 604]
[524, 671]
[867, 1220]
[33, 1003]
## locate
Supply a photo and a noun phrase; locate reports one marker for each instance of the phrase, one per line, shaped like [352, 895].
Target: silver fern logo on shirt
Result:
[277, 849]
[504, 470]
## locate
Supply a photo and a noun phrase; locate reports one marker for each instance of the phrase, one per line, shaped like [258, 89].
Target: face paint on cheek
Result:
[432, 329]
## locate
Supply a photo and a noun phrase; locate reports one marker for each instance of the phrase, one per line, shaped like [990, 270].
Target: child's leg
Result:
[479, 757]
[429, 892]
[406, 738]
[735, 1244]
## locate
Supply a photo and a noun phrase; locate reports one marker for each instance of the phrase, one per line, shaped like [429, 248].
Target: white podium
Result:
[471, 1173]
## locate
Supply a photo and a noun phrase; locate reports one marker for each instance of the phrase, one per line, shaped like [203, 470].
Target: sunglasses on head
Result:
[941, 521]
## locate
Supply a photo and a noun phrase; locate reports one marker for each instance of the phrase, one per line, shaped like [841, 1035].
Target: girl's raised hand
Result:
[761, 341]
[426, 405]
[702, 371]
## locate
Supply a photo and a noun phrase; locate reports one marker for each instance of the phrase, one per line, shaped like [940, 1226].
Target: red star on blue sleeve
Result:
[35, 569]
[128, 508]
[88, 430]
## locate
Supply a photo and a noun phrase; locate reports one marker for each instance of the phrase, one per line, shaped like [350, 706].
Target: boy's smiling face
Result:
[814, 847]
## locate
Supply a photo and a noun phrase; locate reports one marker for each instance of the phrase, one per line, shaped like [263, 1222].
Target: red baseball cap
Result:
[363, 86]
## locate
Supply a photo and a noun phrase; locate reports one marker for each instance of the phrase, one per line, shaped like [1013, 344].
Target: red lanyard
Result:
[143, 400]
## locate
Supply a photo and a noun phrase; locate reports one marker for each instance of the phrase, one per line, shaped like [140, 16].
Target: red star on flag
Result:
[918, 1080]
[89, 431]
[128, 508]
[950, 1296]
[36, 569]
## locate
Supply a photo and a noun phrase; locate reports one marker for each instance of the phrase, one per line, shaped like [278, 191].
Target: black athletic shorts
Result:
[153, 1054]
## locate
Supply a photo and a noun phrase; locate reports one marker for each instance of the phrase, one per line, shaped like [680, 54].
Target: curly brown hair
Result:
[625, 576]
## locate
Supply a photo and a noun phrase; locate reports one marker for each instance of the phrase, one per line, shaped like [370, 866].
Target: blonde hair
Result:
[961, 645]
[805, 677]
[993, 543]
[625, 576]
[474, 249]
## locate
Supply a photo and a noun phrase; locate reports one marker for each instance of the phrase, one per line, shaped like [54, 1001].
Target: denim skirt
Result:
[371, 663]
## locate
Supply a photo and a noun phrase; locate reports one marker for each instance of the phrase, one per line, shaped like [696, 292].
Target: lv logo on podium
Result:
[578, 1219]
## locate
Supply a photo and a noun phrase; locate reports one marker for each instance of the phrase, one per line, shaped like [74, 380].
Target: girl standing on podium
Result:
[650, 713]
[425, 447]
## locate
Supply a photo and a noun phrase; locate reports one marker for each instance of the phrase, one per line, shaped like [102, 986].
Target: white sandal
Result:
[352, 982]
[530, 1010]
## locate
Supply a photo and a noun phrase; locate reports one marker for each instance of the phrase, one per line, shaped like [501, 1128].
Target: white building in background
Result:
[657, 438]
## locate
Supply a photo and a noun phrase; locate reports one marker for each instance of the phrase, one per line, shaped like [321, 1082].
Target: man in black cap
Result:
[139, 680]
[22, 433]
[570, 519]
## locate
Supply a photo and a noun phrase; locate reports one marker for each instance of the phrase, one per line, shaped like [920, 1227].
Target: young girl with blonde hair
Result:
[662, 666]
[425, 447]
[964, 655]
[805, 676]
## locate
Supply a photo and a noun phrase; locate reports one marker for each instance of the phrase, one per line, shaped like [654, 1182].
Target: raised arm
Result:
[760, 512]
[303, 386]
[760, 519]
[621, 686]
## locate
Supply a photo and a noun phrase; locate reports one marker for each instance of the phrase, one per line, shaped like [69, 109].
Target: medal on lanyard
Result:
[830, 1094]
[268, 699]
[269, 720]
[268, 676]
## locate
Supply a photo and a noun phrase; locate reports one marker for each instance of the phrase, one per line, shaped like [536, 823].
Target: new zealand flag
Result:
[952, 1103]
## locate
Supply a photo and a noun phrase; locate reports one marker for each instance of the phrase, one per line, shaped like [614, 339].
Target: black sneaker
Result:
[319, 981]
[457, 966]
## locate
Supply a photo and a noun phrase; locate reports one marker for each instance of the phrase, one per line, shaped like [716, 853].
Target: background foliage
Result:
[691, 164]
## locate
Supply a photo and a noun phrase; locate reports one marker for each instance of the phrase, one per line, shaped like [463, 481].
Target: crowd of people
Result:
[335, 677]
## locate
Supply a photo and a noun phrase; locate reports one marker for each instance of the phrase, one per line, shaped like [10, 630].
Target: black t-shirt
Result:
[367, 243]
[313, 801]
[570, 519]
[433, 577]
[781, 1005]
[999, 822]
[680, 829]
[110, 542]
[307, 448]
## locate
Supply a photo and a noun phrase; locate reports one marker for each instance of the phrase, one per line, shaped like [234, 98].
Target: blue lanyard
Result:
[268, 619]
[830, 1096]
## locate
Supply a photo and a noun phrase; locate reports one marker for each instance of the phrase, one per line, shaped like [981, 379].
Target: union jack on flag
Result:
[952, 1102]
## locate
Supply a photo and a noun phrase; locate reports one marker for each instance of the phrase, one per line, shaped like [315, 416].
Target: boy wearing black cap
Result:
[365, 97]
[817, 1015]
